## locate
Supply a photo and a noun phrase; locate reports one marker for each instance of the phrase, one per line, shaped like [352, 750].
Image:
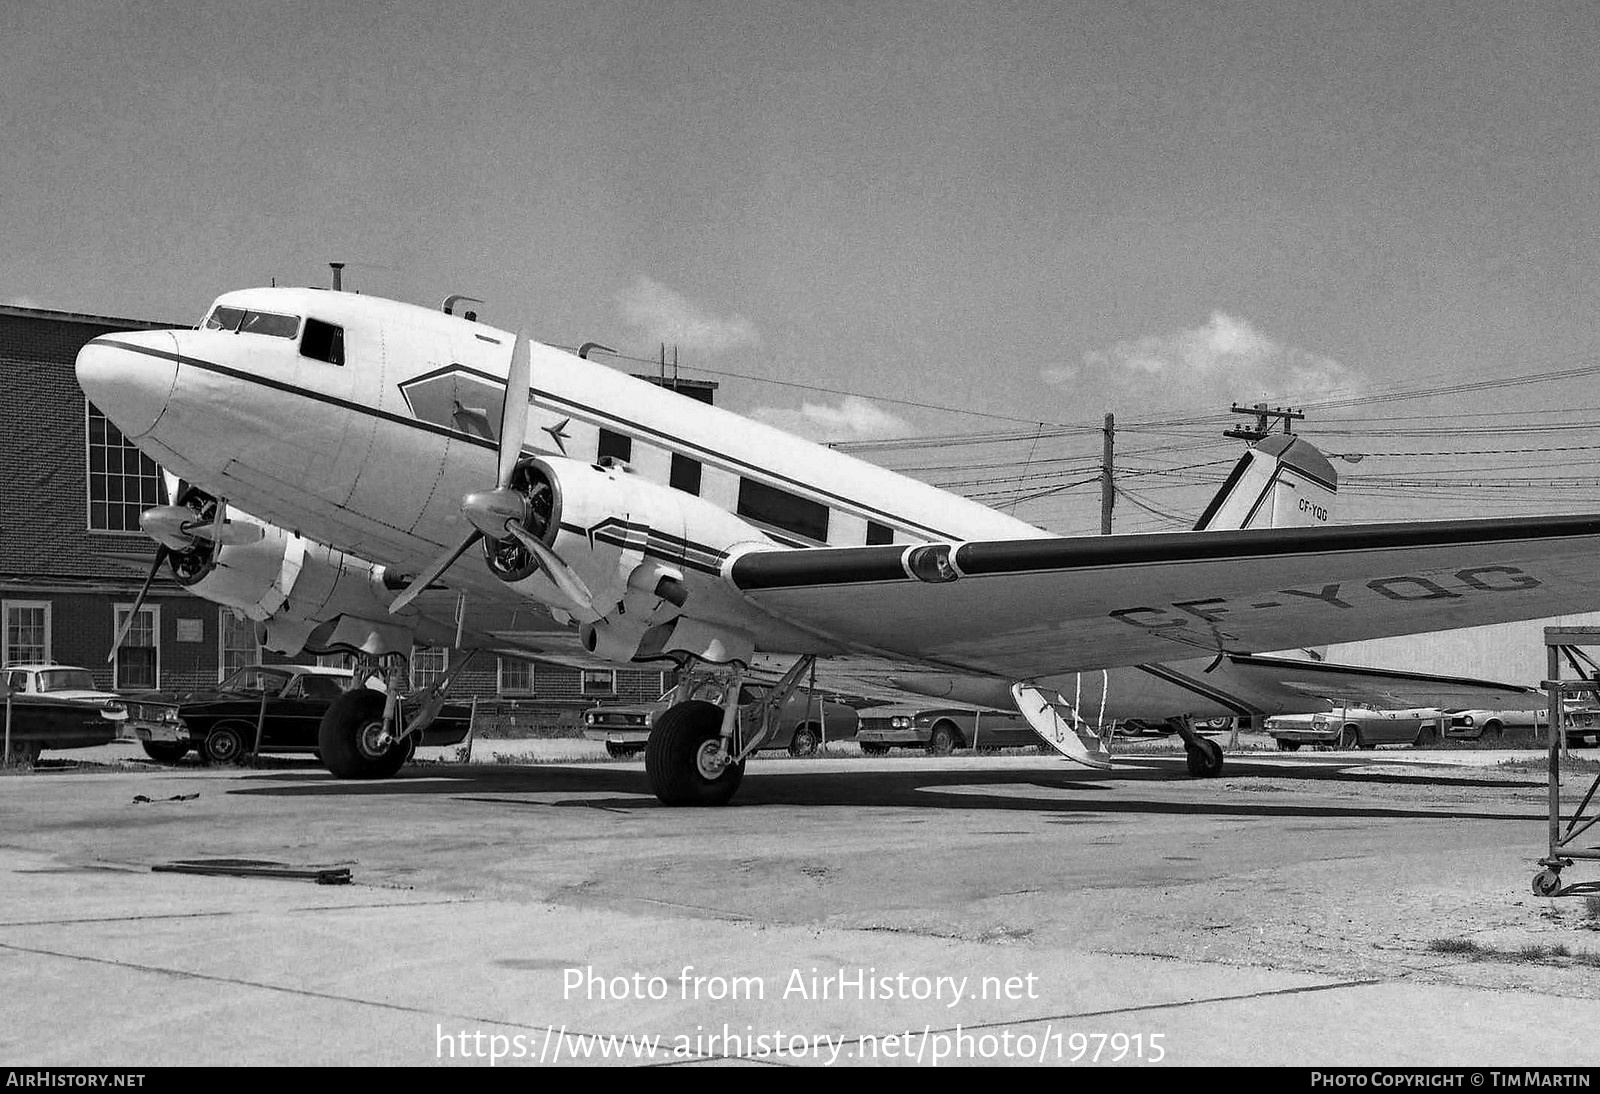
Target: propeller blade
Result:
[565, 578]
[432, 573]
[514, 412]
[138, 602]
[218, 520]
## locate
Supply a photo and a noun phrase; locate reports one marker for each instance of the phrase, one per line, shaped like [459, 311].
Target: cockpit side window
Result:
[253, 322]
[323, 342]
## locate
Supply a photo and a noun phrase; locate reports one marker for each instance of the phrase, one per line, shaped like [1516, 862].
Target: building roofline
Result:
[82, 317]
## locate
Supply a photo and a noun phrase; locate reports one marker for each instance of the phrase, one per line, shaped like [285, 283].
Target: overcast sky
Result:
[1039, 211]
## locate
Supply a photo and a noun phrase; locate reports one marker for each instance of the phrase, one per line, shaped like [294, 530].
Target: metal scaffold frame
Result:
[1562, 644]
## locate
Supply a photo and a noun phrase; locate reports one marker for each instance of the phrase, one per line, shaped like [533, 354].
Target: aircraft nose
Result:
[129, 377]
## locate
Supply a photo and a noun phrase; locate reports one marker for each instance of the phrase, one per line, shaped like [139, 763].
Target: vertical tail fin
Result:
[1283, 481]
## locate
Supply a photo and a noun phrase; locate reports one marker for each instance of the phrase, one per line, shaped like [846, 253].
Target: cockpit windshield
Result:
[245, 321]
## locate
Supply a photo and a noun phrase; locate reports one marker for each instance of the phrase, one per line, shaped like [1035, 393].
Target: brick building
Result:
[72, 557]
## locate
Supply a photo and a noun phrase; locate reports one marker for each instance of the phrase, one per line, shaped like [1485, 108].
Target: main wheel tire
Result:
[943, 740]
[873, 748]
[227, 742]
[1204, 759]
[165, 752]
[1349, 738]
[805, 741]
[1288, 746]
[619, 751]
[679, 759]
[349, 734]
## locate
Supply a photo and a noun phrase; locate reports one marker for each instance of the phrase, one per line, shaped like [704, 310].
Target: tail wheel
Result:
[804, 742]
[1204, 758]
[683, 758]
[350, 738]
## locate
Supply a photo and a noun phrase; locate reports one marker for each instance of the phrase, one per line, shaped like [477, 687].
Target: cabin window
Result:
[615, 446]
[781, 509]
[245, 321]
[878, 533]
[685, 474]
[323, 342]
[123, 482]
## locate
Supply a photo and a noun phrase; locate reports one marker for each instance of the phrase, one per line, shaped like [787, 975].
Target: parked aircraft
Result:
[658, 528]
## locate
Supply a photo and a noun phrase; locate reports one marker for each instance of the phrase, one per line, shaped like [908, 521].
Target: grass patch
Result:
[1533, 953]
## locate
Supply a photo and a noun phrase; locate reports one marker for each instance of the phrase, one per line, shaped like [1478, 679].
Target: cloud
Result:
[854, 418]
[666, 316]
[1206, 367]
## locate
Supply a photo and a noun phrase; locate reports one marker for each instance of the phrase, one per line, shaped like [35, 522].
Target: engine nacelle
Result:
[638, 548]
[327, 587]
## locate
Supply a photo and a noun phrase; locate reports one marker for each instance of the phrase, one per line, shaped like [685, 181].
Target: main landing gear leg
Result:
[1204, 754]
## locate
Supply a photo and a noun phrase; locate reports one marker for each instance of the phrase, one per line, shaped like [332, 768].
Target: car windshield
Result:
[252, 322]
[257, 679]
[66, 680]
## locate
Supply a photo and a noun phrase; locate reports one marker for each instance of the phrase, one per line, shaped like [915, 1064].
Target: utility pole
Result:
[1108, 491]
[1263, 416]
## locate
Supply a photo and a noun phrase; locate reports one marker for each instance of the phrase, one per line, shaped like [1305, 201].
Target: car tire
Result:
[227, 743]
[943, 739]
[804, 742]
[1350, 738]
[1427, 737]
[24, 754]
[1493, 730]
[873, 748]
[1288, 746]
[621, 751]
[1215, 725]
[165, 752]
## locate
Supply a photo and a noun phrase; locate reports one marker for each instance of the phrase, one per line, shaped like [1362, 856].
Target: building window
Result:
[878, 533]
[428, 665]
[685, 474]
[138, 663]
[237, 646]
[599, 681]
[27, 632]
[614, 446]
[516, 676]
[781, 509]
[323, 342]
[123, 482]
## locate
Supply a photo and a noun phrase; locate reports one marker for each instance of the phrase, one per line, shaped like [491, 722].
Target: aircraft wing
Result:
[1328, 684]
[1022, 609]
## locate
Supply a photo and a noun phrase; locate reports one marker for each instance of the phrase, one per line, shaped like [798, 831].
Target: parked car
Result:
[1492, 725]
[57, 706]
[625, 727]
[289, 701]
[941, 730]
[1356, 727]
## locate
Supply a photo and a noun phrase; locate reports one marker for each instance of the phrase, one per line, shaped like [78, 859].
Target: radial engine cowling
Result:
[633, 546]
